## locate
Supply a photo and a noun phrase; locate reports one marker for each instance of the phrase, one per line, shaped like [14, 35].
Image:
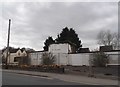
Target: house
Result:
[15, 56]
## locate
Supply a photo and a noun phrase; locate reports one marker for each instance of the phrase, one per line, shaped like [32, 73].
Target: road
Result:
[21, 79]
[14, 79]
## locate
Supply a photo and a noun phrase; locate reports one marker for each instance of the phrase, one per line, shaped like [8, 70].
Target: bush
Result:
[48, 59]
[100, 59]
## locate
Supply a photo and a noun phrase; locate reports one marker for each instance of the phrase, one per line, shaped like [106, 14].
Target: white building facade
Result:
[60, 48]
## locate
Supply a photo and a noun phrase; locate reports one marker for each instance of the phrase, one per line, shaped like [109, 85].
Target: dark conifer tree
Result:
[48, 41]
[69, 36]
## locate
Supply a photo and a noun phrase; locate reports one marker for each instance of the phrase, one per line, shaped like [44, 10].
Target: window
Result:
[16, 59]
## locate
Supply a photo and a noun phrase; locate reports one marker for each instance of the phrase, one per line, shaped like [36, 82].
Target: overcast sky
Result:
[33, 22]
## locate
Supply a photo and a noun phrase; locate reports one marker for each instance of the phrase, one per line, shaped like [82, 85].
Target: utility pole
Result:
[8, 44]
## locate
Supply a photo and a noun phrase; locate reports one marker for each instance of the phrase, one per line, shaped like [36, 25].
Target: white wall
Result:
[35, 58]
[113, 58]
[62, 58]
[72, 59]
[79, 59]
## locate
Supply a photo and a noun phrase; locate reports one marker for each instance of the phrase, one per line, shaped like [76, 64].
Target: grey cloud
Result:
[41, 20]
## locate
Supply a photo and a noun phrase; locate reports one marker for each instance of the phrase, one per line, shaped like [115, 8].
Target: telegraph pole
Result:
[8, 44]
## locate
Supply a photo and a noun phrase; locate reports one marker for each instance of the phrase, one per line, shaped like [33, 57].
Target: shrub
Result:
[48, 59]
[100, 59]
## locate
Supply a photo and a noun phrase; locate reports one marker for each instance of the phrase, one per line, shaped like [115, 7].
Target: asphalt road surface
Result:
[21, 79]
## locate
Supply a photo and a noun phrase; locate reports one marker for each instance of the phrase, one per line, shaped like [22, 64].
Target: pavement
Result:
[69, 78]
[96, 75]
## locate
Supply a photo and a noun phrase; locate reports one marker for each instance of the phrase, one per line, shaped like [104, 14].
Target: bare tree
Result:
[116, 41]
[107, 38]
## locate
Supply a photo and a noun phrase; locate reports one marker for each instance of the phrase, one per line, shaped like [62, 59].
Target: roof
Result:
[105, 48]
[14, 50]
[37, 51]
[23, 49]
[83, 50]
